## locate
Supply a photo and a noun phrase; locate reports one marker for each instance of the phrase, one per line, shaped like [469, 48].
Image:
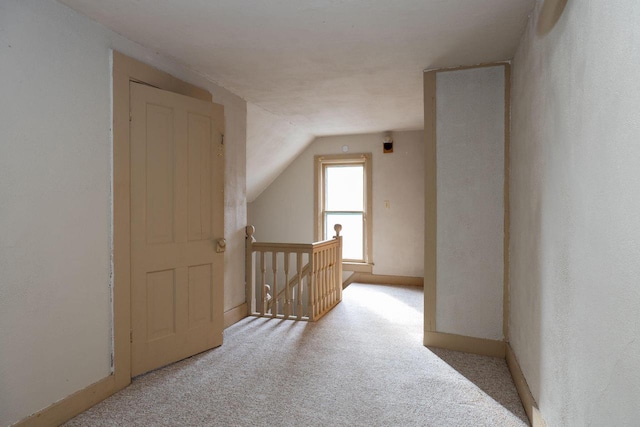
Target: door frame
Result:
[431, 336]
[125, 70]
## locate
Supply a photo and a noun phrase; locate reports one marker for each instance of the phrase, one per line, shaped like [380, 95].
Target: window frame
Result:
[321, 162]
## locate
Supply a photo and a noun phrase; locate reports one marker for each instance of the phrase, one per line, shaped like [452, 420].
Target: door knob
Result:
[221, 244]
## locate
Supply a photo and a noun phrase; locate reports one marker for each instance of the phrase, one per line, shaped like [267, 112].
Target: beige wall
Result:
[575, 230]
[284, 211]
[470, 201]
[235, 197]
[55, 201]
[268, 137]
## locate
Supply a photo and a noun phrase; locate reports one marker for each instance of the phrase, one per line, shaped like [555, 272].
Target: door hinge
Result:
[222, 139]
[130, 116]
[131, 336]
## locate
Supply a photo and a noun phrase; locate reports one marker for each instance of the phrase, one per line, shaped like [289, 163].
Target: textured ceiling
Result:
[314, 67]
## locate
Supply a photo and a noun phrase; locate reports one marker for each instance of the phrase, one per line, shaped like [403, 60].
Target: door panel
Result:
[161, 307]
[199, 178]
[199, 295]
[160, 174]
[177, 204]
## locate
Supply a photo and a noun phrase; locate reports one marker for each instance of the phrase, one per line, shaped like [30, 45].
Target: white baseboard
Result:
[235, 315]
[528, 402]
[481, 346]
[379, 279]
[72, 405]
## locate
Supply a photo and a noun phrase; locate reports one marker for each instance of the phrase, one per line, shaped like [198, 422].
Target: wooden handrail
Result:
[280, 247]
[319, 245]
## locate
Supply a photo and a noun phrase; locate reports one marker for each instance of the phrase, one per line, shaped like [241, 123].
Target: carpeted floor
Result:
[363, 364]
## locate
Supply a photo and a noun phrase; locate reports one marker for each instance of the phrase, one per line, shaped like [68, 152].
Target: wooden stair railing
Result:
[304, 289]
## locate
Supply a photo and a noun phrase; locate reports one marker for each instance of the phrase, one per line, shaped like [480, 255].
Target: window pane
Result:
[352, 228]
[344, 188]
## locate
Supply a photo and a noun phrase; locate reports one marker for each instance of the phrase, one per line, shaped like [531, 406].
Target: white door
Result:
[177, 205]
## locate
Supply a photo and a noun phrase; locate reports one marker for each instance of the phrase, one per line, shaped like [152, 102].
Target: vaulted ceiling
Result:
[317, 67]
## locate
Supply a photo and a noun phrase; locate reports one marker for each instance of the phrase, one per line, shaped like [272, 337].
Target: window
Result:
[343, 196]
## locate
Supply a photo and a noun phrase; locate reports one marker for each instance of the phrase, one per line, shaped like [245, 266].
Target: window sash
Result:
[322, 229]
[334, 202]
[349, 246]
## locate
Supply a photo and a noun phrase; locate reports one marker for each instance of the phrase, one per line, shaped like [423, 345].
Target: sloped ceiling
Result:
[313, 67]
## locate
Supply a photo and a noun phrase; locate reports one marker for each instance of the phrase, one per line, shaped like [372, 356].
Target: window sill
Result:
[358, 267]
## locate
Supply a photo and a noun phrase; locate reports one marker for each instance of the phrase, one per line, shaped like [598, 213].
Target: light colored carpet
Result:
[363, 364]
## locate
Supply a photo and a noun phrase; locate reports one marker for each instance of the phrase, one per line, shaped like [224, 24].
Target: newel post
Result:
[338, 229]
[249, 273]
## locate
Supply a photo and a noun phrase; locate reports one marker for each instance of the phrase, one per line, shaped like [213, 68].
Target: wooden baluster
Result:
[300, 287]
[327, 275]
[338, 229]
[250, 274]
[263, 285]
[331, 276]
[334, 290]
[310, 286]
[326, 280]
[322, 283]
[336, 281]
[287, 292]
[314, 288]
[323, 306]
[318, 284]
[318, 263]
[274, 294]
